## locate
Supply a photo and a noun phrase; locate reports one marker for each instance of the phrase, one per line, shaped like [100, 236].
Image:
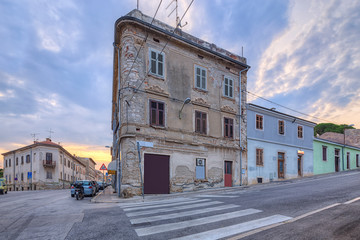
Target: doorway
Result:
[281, 163]
[299, 165]
[156, 174]
[228, 173]
[337, 159]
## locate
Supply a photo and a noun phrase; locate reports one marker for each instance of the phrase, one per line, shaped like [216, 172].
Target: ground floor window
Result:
[357, 160]
[259, 157]
[48, 175]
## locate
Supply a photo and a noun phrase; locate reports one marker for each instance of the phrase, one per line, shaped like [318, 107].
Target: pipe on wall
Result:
[240, 120]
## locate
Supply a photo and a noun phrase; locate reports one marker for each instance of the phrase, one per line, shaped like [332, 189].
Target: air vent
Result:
[156, 40]
[201, 57]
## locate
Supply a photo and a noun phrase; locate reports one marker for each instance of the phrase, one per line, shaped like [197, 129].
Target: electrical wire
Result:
[143, 42]
[305, 114]
[162, 50]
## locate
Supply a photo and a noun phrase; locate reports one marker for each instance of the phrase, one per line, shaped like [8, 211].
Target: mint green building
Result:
[332, 157]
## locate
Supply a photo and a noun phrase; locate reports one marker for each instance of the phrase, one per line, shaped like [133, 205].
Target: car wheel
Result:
[72, 195]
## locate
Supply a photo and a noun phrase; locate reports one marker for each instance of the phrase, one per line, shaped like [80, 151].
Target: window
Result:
[228, 87]
[6, 163]
[65, 161]
[22, 159]
[200, 77]
[22, 176]
[17, 161]
[157, 114]
[68, 163]
[48, 175]
[9, 162]
[300, 132]
[357, 160]
[60, 159]
[27, 158]
[156, 63]
[324, 153]
[348, 160]
[281, 127]
[259, 122]
[9, 178]
[200, 168]
[259, 157]
[228, 128]
[48, 156]
[200, 122]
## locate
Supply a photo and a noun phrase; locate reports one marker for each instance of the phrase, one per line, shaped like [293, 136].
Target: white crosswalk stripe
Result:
[216, 196]
[186, 213]
[162, 210]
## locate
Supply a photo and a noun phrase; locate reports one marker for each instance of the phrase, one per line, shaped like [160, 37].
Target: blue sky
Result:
[56, 61]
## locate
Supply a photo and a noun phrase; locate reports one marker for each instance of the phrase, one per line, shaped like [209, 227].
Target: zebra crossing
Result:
[195, 218]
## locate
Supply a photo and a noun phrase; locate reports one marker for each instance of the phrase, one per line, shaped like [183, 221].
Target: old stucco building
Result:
[41, 165]
[179, 96]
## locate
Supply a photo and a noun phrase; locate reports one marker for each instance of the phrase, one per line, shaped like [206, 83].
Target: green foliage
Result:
[1, 173]
[322, 128]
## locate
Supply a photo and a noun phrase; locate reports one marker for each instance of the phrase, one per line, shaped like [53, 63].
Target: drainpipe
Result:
[14, 172]
[240, 120]
[118, 159]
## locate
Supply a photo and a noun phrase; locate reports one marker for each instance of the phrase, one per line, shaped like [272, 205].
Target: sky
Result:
[56, 62]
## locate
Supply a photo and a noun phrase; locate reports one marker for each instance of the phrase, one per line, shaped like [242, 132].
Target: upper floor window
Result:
[281, 127]
[324, 153]
[6, 163]
[200, 122]
[27, 158]
[156, 63]
[228, 128]
[228, 87]
[9, 162]
[68, 163]
[200, 77]
[259, 122]
[17, 161]
[157, 113]
[22, 159]
[48, 156]
[259, 157]
[300, 132]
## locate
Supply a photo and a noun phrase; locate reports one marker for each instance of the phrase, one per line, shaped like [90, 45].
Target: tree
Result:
[322, 128]
[1, 173]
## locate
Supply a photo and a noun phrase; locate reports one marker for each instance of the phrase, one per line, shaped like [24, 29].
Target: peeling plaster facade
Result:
[177, 138]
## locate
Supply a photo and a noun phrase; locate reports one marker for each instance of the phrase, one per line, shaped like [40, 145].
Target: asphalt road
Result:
[322, 207]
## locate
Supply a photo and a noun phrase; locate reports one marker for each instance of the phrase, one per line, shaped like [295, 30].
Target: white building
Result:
[41, 165]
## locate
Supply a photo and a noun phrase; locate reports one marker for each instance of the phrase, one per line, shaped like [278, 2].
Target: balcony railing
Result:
[49, 163]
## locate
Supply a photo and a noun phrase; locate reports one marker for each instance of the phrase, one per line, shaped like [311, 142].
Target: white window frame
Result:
[279, 128]
[297, 131]
[195, 77]
[156, 73]
[228, 86]
[263, 122]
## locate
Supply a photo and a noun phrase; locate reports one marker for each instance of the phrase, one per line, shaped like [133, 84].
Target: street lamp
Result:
[187, 100]
[346, 126]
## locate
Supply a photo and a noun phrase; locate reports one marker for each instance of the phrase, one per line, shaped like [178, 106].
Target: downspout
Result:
[240, 120]
[14, 172]
[118, 159]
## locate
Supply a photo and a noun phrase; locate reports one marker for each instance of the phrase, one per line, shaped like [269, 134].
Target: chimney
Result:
[48, 139]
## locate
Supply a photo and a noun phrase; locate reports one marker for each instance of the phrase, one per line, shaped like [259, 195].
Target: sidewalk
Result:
[108, 195]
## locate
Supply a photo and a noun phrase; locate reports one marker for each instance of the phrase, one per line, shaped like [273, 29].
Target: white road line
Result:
[161, 210]
[216, 196]
[353, 200]
[195, 222]
[165, 205]
[236, 229]
[122, 205]
[182, 214]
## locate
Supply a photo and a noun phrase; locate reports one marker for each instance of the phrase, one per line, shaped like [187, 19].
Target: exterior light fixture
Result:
[187, 100]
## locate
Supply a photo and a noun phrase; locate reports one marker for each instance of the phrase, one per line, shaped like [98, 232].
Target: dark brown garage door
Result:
[156, 174]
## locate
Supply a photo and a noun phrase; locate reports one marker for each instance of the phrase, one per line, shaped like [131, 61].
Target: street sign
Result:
[111, 171]
[29, 175]
[145, 144]
[103, 167]
[107, 174]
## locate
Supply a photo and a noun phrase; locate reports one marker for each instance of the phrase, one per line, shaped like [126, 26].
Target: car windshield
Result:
[86, 183]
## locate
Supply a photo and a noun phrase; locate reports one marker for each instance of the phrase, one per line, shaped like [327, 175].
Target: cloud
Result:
[320, 49]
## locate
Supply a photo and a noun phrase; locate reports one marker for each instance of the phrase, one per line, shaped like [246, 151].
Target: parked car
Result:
[3, 187]
[102, 185]
[96, 185]
[89, 188]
